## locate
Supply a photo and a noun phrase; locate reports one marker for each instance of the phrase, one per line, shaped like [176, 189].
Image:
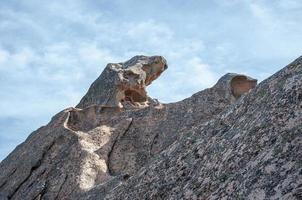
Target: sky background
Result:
[51, 51]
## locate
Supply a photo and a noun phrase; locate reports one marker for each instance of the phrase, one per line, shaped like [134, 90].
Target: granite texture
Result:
[235, 140]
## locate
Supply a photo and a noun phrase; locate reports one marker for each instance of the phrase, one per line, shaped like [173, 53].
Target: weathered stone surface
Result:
[253, 150]
[226, 142]
[125, 82]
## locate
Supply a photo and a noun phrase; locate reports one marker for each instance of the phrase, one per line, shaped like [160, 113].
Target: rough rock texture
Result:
[235, 140]
[252, 151]
[124, 82]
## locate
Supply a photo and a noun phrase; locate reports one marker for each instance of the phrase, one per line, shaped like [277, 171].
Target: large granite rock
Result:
[124, 82]
[235, 140]
[253, 150]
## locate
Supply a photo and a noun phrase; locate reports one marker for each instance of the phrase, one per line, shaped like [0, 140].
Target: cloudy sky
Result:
[51, 51]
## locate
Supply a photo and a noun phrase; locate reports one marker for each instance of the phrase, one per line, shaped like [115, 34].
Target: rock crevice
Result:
[234, 140]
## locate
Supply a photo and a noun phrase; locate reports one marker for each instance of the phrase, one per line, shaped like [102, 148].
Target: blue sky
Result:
[50, 51]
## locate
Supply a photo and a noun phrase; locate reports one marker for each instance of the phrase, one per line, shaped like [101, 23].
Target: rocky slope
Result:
[235, 140]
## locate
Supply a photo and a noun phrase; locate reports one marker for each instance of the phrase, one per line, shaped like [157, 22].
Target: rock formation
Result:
[124, 82]
[236, 140]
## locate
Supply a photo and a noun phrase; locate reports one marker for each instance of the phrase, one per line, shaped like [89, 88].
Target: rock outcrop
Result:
[253, 150]
[124, 82]
[236, 140]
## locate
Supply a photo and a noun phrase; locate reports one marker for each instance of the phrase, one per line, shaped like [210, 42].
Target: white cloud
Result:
[149, 31]
[200, 73]
[185, 77]
[50, 53]
[290, 4]
[3, 56]
[91, 55]
[264, 16]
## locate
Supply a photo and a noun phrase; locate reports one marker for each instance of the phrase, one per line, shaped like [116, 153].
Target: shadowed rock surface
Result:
[235, 140]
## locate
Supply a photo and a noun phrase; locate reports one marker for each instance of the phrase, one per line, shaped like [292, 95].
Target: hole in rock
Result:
[241, 85]
[126, 176]
[134, 96]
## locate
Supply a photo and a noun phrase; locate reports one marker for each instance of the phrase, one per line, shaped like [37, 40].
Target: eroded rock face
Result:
[234, 140]
[252, 150]
[125, 83]
[154, 128]
[242, 84]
